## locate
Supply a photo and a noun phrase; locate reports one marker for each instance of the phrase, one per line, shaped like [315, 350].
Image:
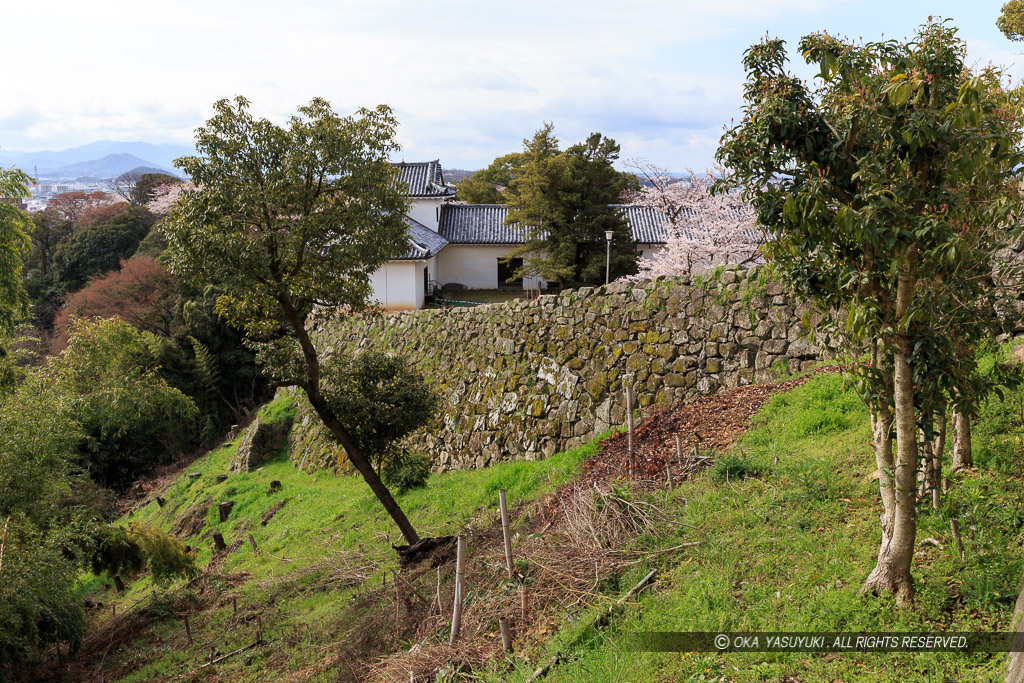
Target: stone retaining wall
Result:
[529, 378]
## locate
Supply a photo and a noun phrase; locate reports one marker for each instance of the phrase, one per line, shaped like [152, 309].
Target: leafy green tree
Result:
[1011, 20]
[285, 219]
[491, 185]
[48, 229]
[13, 243]
[566, 199]
[383, 400]
[101, 248]
[884, 191]
[131, 416]
[142, 192]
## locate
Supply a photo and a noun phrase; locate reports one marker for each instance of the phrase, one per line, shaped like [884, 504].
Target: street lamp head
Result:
[608, 235]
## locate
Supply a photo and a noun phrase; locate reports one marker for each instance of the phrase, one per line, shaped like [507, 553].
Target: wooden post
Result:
[252, 542]
[188, 630]
[219, 545]
[506, 636]
[234, 605]
[259, 629]
[679, 456]
[225, 509]
[502, 503]
[460, 562]
[437, 597]
[629, 430]
[954, 526]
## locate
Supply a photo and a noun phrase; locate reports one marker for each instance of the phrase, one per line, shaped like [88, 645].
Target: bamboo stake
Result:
[954, 526]
[188, 630]
[679, 454]
[629, 429]
[505, 531]
[460, 562]
[506, 636]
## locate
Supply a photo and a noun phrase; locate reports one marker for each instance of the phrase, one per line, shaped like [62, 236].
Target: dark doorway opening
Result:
[506, 268]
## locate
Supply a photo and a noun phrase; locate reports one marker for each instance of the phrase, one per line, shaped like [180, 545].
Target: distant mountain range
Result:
[101, 159]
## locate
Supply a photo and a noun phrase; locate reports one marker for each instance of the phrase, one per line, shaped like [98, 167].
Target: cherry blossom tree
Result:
[163, 197]
[702, 230]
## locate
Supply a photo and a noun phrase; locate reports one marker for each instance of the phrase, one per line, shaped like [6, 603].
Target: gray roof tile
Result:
[423, 242]
[485, 224]
[423, 178]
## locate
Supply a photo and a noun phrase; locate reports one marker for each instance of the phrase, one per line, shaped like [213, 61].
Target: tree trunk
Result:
[938, 450]
[361, 463]
[312, 388]
[962, 443]
[892, 572]
[881, 432]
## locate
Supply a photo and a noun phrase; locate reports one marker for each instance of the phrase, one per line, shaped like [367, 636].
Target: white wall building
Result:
[464, 244]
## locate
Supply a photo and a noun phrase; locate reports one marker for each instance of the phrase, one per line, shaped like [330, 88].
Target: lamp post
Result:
[608, 255]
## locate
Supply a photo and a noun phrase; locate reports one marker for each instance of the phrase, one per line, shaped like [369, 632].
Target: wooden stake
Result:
[954, 526]
[259, 629]
[225, 509]
[219, 545]
[188, 630]
[437, 596]
[252, 542]
[505, 531]
[629, 430]
[460, 562]
[524, 603]
[679, 455]
[506, 636]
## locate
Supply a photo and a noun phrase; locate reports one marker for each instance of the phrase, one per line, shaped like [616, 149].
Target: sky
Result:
[468, 80]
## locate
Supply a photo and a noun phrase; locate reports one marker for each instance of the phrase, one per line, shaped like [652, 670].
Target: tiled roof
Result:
[479, 224]
[424, 178]
[485, 224]
[423, 242]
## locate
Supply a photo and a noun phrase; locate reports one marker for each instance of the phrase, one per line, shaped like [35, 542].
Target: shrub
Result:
[404, 471]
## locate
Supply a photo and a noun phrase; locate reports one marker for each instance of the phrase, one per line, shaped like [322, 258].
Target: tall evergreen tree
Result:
[567, 200]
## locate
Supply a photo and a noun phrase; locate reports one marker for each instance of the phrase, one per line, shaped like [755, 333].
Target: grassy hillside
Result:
[786, 523]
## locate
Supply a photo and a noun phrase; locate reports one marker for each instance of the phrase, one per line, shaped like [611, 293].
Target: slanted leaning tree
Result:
[884, 190]
[286, 219]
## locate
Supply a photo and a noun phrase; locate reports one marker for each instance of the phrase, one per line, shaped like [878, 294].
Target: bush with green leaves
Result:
[380, 399]
[132, 417]
[404, 471]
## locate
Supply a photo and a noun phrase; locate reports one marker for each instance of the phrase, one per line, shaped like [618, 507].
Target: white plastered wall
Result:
[475, 265]
[426, 210]
[398, 285]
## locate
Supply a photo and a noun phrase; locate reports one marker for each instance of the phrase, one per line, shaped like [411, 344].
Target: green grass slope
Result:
[787, 545]
[787, 525]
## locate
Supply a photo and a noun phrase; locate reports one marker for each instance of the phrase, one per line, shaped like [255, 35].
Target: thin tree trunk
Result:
[892, 573]
[355, 455]
[938, 450]
[962, 442]
[360, 462]
[881, 432]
